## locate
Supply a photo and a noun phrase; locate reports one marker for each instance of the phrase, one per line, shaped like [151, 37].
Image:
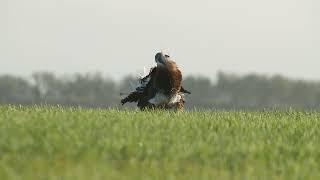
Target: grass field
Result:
[73, 143]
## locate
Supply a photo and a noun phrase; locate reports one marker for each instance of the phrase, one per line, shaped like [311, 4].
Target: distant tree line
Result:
[227, 92]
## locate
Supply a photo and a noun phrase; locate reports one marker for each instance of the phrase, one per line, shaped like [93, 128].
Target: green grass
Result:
[74, 143]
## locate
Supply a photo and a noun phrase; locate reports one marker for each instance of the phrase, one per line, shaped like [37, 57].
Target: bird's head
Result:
[161, 58]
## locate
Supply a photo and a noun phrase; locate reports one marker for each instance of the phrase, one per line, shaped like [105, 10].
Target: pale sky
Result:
[118, 37]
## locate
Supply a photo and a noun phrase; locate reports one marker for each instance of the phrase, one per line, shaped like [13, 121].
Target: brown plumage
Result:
[161, 88]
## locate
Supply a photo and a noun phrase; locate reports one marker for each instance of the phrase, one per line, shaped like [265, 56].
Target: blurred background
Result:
[234, 54]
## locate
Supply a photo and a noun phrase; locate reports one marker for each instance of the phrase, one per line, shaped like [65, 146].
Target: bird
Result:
[161, 88]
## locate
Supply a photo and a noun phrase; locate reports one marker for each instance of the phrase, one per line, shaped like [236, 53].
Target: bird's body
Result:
[161, 88]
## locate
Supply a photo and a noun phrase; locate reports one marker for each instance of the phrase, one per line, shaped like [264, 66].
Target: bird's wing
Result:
[182, 90]
[139, 91]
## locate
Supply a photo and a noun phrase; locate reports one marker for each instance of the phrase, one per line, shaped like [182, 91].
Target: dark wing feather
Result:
[182, 90]
[132, 97]
[143, 93]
